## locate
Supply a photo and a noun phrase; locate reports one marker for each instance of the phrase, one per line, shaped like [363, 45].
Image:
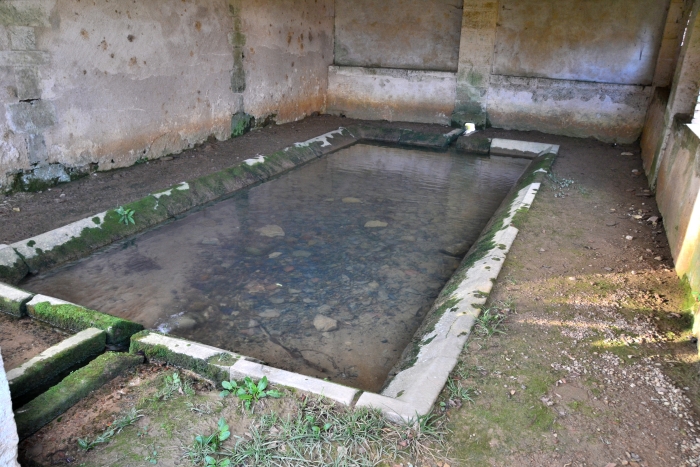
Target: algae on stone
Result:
[49, 405]
[76, 318]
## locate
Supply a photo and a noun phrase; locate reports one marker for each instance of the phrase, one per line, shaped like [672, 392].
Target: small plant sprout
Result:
[115, 428]
[126, 216]
[205, 447]
[489, 322]
[249, 392]
[212, 462]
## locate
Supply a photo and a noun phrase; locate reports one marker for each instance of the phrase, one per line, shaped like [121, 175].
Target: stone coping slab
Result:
[74, 387]
[53, 361]
[211, 362]
[337, 392]
[72, 317]
[219, 365]
[12, 267]
[8, 429]
[516, 148]
[13, 301]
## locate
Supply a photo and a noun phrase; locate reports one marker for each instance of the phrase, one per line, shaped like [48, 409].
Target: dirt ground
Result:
[593, 364]
[22, 339]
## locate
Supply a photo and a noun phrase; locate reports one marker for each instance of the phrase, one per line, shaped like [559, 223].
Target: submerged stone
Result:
[374, 224]
[270, 313]
[271, 231]
[325, 324]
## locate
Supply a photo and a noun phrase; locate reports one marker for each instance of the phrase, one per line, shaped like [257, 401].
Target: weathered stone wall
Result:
[390, 94]
[678, 197]
[406, 34]
[109, 83]
[288, 46]
[104, 84]
[559, 66]
[597, 40]
[671, 149]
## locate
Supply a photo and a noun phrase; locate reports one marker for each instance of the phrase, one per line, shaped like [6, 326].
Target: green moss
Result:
[14, 307]
[49, 405]
[410, 354]
[31, 243]
[45, 371]
[12, 274]
[210, 370]
[76, 318]
[473, 144]
[96, 220]
[241, 124]
[426, 140]
[148, 212]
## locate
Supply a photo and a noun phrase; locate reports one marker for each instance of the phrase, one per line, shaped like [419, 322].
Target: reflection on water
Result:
[326, 271]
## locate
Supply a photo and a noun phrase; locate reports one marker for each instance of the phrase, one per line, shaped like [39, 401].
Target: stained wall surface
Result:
[104, 84]
[109, 83]
[583, 41]
[288, 48]
[407, 34]
[567, 67]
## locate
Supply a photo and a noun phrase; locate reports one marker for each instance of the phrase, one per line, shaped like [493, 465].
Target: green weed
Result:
[489, 322]
[204, 448]
[174, 384]
[117, 426]
[126, 216]
[249, 392]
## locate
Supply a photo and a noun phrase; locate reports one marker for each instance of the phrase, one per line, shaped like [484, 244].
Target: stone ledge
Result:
[339, 393]
[13, 301]
[71, 317]
[526, 149]
[74, 387]
[425, 365]
[211, 362]
[12, 267]
[55, 360]
[393, 409]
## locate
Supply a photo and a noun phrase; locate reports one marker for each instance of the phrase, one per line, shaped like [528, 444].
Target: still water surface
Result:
[327, 270]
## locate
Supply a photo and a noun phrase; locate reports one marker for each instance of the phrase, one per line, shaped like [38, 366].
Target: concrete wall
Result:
[559, 66]
[678, 197]
[389, 94]
[288, 46]
[105, 83]
[108, 83]
[408, 34]
[671, 151]
[597, 40]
